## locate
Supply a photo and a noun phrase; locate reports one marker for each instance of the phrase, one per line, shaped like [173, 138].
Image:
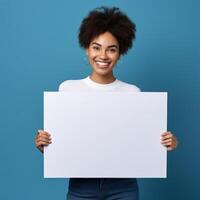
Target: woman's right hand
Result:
[42, 139]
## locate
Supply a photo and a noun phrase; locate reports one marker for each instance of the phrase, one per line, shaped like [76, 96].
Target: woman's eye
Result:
[112, 50]
[95, 48]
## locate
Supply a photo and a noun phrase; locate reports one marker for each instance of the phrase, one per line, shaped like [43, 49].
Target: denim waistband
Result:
[93, 185]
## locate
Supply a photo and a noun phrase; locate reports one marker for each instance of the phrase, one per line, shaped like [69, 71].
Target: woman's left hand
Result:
[169, 140]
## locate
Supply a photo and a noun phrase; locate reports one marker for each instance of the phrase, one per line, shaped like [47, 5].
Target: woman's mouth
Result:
[102, 64]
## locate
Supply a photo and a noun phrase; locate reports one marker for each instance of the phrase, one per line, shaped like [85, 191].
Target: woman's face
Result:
[103, 53]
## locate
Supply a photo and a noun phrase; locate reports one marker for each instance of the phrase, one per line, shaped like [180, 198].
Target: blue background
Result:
[39, 49]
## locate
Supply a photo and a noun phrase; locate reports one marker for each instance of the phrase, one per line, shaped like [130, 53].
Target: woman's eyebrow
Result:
[96, 43]
[108, 46]
[113, 46]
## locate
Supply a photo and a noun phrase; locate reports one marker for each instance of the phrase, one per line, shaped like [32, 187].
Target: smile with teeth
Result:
[102, 63]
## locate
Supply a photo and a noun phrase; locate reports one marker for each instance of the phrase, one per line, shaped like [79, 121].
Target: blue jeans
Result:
[103, 189]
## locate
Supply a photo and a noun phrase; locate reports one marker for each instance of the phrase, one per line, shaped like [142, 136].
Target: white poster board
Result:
[107, 134]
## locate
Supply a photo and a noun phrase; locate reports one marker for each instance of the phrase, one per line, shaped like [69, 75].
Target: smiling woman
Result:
[105, 34]
[103, 54]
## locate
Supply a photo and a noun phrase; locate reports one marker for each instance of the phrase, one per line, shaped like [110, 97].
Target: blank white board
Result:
[107, 134]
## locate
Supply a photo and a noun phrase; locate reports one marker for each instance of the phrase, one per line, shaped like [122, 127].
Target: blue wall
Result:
[39, 49]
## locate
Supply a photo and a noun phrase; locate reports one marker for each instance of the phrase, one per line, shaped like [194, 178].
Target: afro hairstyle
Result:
[105, 19]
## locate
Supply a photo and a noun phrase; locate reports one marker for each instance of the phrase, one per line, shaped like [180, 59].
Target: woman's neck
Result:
[106, 79]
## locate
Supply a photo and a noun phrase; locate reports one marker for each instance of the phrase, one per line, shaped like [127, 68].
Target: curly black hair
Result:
[105, 19]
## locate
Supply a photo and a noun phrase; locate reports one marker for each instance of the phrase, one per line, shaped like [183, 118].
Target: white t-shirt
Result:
[88, 85]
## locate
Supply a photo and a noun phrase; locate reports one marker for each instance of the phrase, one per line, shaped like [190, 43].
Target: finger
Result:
[166, 133]
[43, 137]
[42, 132]
[39, 143]
[170, 144]
[166, 137]
[174, 142]
[167, 144]
[44, 140]
[42, 143]
[167, 140]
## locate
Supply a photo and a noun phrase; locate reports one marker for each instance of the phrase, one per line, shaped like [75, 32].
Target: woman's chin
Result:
[102, 67]
[103, 71]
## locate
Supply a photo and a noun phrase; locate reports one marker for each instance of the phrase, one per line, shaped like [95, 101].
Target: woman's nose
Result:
[103, 54]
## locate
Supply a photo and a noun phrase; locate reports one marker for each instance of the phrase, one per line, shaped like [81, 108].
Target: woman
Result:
[105, 34]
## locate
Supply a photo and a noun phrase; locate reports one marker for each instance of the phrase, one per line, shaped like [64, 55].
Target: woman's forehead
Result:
[105, 39]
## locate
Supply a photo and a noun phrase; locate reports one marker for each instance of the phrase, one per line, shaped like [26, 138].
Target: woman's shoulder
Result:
[128, 87]
[69, 85]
